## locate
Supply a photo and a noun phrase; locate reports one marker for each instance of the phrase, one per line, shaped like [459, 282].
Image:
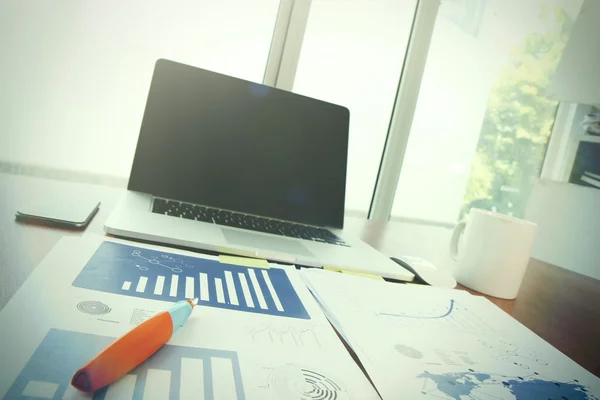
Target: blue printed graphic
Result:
[471, 384]
[61, 353]
[149, 274]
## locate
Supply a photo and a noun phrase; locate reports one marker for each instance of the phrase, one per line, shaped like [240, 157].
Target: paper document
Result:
[428, 343]
[256, 333]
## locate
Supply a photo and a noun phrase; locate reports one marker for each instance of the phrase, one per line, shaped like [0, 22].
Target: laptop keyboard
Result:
[244, 221]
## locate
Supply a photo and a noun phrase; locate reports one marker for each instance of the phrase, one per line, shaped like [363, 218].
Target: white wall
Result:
[577, 78]
[568, 218]
[75, 74]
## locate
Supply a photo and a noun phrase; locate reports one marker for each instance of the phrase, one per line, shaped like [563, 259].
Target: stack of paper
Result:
[427, 343]
[256, 333]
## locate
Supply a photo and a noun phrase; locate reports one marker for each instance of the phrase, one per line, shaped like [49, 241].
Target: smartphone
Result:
[58, 212]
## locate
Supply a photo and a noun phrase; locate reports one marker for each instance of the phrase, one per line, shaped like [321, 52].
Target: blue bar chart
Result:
[174, 372]
[139, 272]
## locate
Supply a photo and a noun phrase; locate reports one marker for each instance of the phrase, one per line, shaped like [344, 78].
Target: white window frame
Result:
[286, 44]
[404, 109]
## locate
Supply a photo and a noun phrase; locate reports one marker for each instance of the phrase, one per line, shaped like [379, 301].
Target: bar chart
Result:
[174, 372]
[145, 273]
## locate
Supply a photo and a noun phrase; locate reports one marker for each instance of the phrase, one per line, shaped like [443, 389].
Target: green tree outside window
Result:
[518, 122]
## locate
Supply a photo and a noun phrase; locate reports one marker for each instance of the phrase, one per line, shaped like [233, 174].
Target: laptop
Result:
[236, 167]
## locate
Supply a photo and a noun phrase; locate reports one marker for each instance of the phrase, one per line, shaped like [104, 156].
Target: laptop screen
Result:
[215, 140]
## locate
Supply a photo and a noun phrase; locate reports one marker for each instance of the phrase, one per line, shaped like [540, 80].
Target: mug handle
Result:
[458, 231]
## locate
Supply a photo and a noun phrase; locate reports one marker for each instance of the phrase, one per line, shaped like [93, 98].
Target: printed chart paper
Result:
[67, 351]
[427, 343]
[256, 333]
[149, 274]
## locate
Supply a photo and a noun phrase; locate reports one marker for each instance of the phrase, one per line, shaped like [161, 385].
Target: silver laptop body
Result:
[235, 167]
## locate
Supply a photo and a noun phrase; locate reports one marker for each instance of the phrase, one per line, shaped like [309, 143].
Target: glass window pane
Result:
[484, 115]
[76, 73]
[352, 55]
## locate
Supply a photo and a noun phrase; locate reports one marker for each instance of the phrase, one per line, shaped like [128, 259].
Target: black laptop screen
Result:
[215, 140]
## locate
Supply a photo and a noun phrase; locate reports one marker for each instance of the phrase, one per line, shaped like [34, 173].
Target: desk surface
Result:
[561, 306]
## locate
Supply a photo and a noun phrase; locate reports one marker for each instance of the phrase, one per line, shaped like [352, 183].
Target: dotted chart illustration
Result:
[174, 372]
[296, 382]
[505, 351]
[176, 265]
[285, 335]
[137, 272]
[482, 385]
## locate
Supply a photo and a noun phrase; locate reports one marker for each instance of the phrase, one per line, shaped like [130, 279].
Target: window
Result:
[352, 55]
[76, 74]
[484, 114]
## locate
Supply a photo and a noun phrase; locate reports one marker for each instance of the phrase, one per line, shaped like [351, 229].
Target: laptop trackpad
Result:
[271, 243]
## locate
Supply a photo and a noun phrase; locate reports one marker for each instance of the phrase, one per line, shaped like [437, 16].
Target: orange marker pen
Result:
[131, 349]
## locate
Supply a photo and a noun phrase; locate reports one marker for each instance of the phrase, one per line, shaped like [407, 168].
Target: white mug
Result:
[492, 252]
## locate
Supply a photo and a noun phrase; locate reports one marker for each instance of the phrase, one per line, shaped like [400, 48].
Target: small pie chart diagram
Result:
[93, 307]
[408, 351]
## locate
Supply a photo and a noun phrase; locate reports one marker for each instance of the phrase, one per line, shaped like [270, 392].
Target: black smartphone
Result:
[70, 214]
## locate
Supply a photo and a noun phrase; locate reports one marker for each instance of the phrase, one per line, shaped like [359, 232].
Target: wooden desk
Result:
[560, 306]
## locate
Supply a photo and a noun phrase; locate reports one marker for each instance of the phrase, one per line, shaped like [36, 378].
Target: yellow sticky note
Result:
[334, 269]
[362, 274]
[243, 261]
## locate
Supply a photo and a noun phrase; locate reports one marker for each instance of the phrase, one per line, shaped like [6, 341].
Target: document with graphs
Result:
[419, 342]
[256, 333]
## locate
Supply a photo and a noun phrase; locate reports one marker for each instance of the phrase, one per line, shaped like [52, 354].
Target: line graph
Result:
[450, 316]
[447, 313]
[285, 335]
